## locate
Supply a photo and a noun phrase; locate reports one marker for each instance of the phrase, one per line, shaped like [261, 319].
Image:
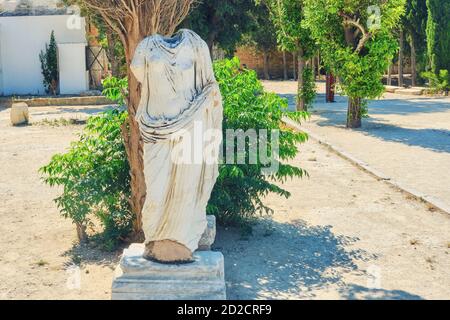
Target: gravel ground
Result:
[407, 138]
[342, 234]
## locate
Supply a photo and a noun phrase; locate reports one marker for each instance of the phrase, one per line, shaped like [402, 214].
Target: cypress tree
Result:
[414, 22]
[49, 65]
[438, 35]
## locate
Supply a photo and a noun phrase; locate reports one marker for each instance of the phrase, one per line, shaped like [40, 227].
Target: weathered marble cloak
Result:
[179, 94]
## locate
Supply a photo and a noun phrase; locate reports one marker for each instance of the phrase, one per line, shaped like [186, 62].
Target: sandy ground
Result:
[407, 138]
[342, 234]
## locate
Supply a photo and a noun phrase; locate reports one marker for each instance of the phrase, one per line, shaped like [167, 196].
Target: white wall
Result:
[21, 40]
[73, 77]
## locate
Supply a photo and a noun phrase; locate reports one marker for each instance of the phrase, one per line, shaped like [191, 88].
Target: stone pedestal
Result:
[139, 279]
[19, 114]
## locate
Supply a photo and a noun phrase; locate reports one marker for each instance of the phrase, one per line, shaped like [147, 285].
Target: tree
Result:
[262, 34]
[221, 22]
[357, 44]
[133, 20]
[49, 66]
[401, 47]
[438, 35]
[414, 22]
[287, 16]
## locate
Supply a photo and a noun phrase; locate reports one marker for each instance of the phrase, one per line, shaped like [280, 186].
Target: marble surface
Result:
[139, 279]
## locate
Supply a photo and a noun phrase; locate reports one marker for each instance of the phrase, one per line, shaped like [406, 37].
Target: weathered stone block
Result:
[209, 236]
[19, 114]
[391, 89]
[416, 91]
[139, 279]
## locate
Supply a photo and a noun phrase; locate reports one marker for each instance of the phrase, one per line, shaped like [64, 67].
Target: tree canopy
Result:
[438, 35]
[262, 33]
[356, 42]
[287, 17]
[221, 22]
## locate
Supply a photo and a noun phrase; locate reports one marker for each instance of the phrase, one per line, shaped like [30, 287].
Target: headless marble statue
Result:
[178, 94]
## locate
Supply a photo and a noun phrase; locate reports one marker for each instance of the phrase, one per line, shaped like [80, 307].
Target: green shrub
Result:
[308, 91]
[49, 66]
[240, 188]
[115, 89]
[95, 171]
[438, 82]
[95, 176]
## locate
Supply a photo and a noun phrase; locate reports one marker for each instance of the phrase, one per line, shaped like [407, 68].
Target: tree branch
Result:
[360, 28]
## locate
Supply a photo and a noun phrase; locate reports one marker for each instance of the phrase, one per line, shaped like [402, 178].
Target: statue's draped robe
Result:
[179, 95]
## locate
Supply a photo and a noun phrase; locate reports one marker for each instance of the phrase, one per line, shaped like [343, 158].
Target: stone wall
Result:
[253, 59]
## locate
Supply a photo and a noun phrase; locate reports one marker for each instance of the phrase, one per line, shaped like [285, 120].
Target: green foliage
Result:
[262, 34]
[308, 91]
[287, 16]
[240, 188]
[94, 174]
[438, 35]
[115, 89]
[414, 22]
[49, 66]
[359, 63]
[438, 82]
[221, 22]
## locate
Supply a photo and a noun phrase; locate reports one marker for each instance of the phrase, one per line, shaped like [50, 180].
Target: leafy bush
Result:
[95, 176]
[308, 91]
[49, 66]
[240, 188]
[115, 89]
[437, 82]
[95, 171]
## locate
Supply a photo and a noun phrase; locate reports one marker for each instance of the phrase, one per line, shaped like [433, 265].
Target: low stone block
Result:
[209, 236]
[139, 279]
[391, 89]
[416, 91]
[19, 113]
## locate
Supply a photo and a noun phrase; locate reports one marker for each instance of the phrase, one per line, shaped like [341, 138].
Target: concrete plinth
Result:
[139, 279]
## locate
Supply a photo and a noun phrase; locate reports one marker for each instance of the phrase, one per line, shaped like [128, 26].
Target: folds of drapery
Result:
[157, 128]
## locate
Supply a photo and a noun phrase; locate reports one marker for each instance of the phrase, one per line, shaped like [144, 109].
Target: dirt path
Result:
[341, 235]
[337, 225]
[38, 248]
[407, 138]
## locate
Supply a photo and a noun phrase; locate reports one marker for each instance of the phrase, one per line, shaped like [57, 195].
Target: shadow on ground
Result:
[88, 253]
[355, 292]
[334, 115]
[293, 260]
[88, 111]
[285, 260]
[400, 106]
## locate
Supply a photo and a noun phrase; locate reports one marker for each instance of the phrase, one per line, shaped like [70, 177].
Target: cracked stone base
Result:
[139, 279]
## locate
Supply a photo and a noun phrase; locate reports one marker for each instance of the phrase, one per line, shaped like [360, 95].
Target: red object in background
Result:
[330, 88]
